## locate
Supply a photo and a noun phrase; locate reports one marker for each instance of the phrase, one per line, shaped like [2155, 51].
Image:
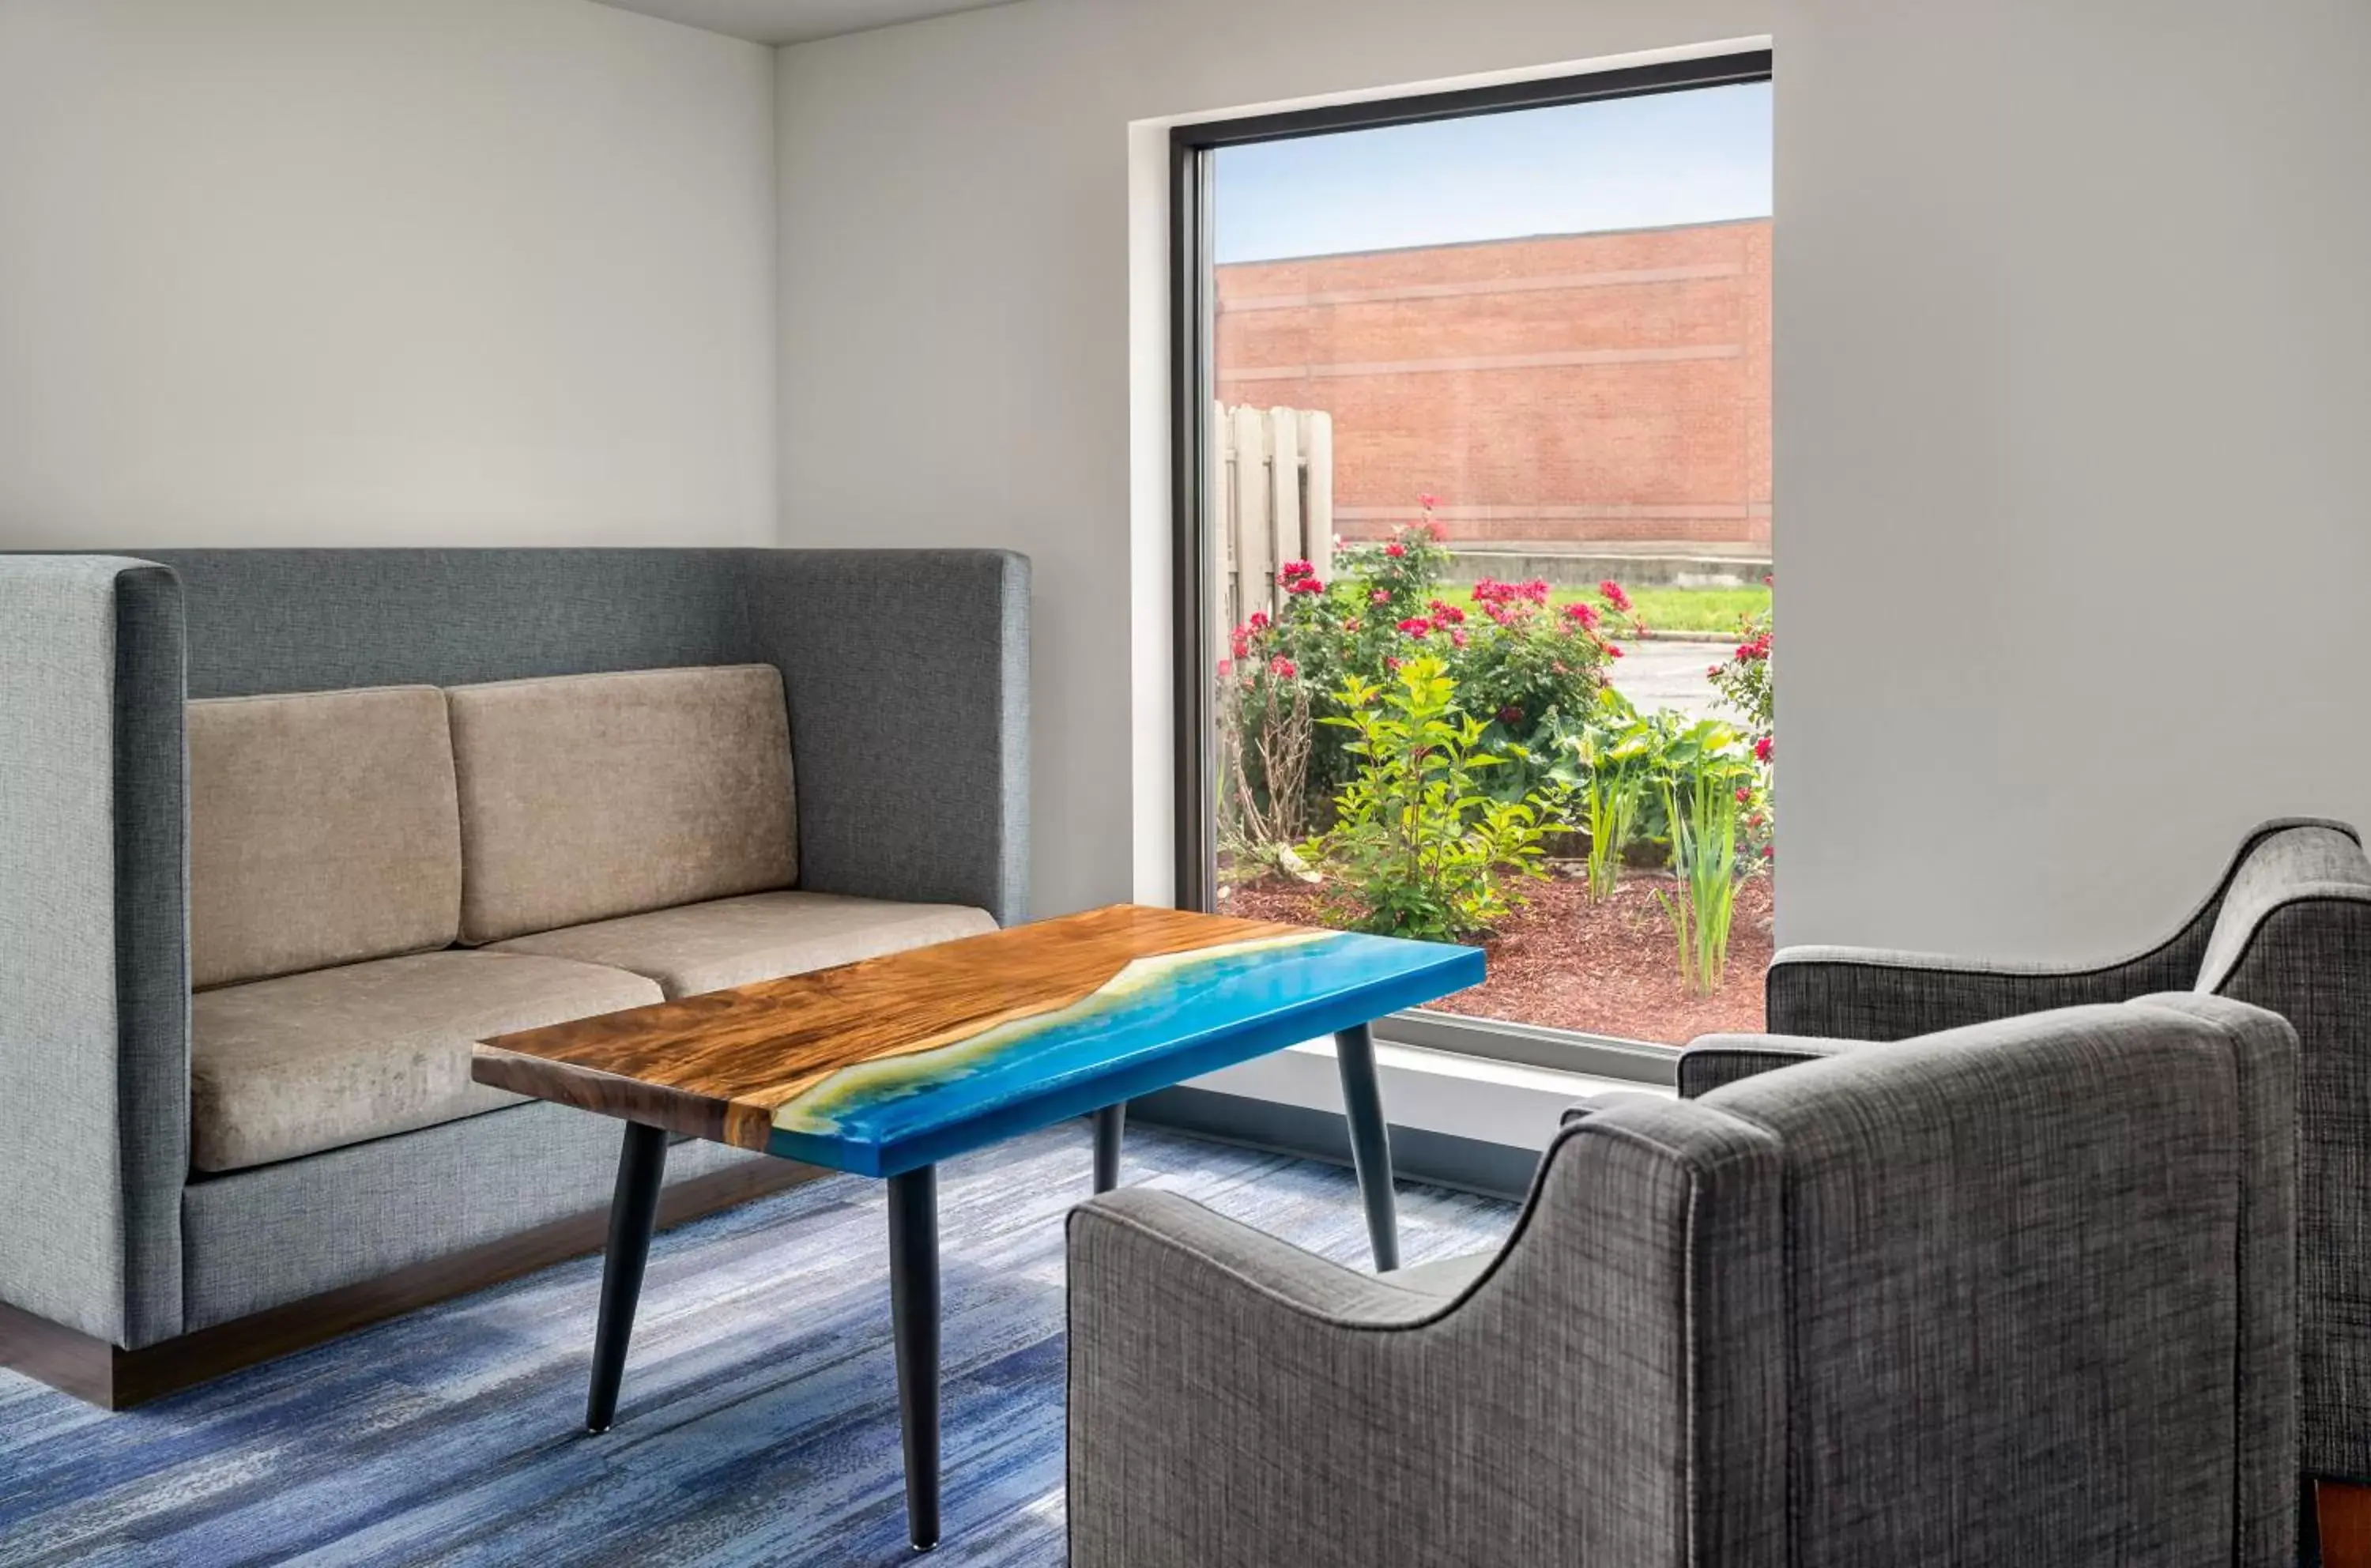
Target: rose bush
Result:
[1744, 682]
[1516, 666]
[1406, 744]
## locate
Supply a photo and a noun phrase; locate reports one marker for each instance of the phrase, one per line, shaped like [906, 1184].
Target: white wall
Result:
[2074, 372]
[361, 271]
[960, 362]
[2073, 388]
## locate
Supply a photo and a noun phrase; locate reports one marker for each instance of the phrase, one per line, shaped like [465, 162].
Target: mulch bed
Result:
[1566, 962]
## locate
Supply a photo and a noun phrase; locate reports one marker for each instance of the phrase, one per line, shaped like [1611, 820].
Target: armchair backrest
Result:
[2023, 1292]
[2308, 872]
[2294, 935]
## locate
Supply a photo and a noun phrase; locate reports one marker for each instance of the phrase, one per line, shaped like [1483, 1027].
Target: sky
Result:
[1683, 157]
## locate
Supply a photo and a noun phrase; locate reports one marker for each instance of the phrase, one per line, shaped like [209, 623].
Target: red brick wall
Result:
[1567, 389]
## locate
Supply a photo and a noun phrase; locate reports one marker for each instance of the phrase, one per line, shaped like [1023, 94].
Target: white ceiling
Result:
[796, 21]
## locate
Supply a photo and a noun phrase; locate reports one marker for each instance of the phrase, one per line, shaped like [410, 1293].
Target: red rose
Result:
[1304, 585]
[1282, 668]
[1613, 595]
[1762, 749]
[1294, 568]
[1427, 500]
[1396, 551]
[1613, 650]
[1457, 640]
[1416, 626]
[1510, 715]
[1259, 621]
[1744, 796]
[1380, 596]
[1226, 668]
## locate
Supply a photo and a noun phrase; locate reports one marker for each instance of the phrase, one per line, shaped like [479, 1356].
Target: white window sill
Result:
[1466, 1097]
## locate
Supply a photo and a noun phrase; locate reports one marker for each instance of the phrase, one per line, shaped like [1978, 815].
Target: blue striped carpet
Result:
[758, 1422]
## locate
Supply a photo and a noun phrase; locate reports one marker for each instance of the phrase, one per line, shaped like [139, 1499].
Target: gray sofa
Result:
[283, 831]
[2024, 1293]
[2289, 927]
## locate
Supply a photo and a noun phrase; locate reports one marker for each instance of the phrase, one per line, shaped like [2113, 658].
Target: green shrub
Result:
[1707, 781]
[1417, 849]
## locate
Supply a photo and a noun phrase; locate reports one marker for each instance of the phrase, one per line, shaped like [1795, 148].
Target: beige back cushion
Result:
[323, 830]
[588, 796]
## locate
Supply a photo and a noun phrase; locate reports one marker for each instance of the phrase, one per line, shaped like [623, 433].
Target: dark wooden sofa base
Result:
[115, 1378]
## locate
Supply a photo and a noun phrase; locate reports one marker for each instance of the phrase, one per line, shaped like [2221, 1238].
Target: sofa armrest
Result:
[907, 677]
[1712, 1061]
[94, 1034]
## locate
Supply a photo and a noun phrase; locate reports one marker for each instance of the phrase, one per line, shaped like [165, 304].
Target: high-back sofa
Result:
[525, 785]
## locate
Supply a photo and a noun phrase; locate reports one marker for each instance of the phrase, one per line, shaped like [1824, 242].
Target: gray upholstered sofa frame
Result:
[121, 1275]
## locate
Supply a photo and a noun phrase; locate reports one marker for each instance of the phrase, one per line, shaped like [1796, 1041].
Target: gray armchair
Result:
[2287, 928]
[2024, 1293]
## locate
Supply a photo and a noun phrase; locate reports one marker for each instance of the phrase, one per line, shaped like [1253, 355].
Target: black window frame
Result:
[1190, 191]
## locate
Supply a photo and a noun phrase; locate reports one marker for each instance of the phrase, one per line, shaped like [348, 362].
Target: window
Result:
[1473, 534]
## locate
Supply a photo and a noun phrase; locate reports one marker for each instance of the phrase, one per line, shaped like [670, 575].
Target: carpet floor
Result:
[758, 1419]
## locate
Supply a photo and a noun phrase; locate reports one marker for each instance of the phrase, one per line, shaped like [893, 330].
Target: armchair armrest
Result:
[907, 677]
[1713, 1060]
[1235, 1399]
[94, 1035]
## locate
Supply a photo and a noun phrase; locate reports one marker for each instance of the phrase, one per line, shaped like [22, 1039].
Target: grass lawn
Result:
[1685, 609]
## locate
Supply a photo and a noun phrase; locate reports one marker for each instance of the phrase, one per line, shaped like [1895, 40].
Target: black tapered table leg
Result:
[633, 1212]
[1370, 1141]
[1111, 1125]
[914, 1310]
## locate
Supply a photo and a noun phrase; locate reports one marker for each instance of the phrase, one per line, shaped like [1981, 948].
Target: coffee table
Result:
[887, 1066]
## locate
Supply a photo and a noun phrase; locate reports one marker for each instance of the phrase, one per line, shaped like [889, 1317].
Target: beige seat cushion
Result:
[588, 796]
[310, 1062]
[732, 941]
[323, 829]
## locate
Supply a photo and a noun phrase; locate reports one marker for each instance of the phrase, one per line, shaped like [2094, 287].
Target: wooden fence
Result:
[1271, 499]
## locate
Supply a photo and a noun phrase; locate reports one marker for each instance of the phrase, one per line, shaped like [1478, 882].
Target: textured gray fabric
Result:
[735, 941]
[1236, 1404]
[303, 1062]
[319, 620]
[2287, 928]
[1879, 994]
[93, 1063]
[2310, 961]
[1711, 1061]
[908, 680]
[2015, 1293]
[279, 1233]
[2046, 1235]
[2266, 1065]
[2303, 866]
